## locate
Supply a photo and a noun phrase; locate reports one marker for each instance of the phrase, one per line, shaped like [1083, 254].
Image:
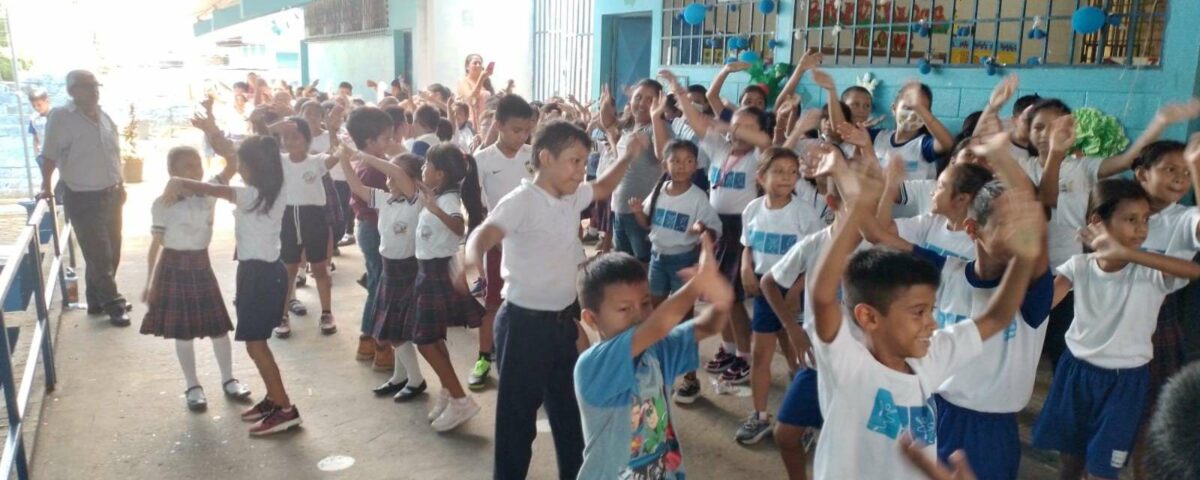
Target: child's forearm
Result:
[356, 186]
[1048, 188]
[455, 224]
[206, 189]
[698, 121]
[876, 233]
[152, 260]
[714, 92]
[943, 140]
[775, 298]
[662, 135]
[830, 268]
[480, 242]
[604, 186]
[664, 318]
[1175, 267]
[712, 321]
[642, 219]
[1007, 299]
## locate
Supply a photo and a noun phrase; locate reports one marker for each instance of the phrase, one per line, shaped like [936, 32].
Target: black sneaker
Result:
[362, 281]
[753, 429]
[409, 392]
[688, 390]
[720, 362]
[738, 372]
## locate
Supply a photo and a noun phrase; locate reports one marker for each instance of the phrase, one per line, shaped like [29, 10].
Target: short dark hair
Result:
[346, 85]
[440, 90]
[877, 276]
[367, 123]
[968, 178]
[398, 116]
[1023, 102]
[358, 102]
[556, 136]
[241, 85]
[1155, 152]
[924, 90]
[38, 94]
[677, 144]
[1109, 193]
[1052, 104]
[755, 112]
[697, 88]
[445, 129]
[608, 269]
[649, 82]
[179, 153]
[858, 89]
[1172, 438]
[427, 117]
[753, 89]
[512, 106]
[302, 126]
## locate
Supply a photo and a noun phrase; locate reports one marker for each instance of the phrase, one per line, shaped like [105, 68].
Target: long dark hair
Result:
[259, 155]
[461, 174]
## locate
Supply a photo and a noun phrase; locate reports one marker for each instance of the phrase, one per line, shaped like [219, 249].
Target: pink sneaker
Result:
[278, 421]
[259, 411]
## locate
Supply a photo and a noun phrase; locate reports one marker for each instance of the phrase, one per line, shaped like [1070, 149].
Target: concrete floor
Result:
[119, 412]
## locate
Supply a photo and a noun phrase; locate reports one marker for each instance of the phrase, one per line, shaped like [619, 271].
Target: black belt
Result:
[103, 191]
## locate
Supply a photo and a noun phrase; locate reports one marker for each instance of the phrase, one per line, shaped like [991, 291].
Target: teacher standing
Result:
[81, 141]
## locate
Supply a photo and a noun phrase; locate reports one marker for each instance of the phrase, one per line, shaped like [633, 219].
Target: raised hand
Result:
[1062, 134]
[811, 59]
[1104, 246]
[1191, 154]
[671, 79]
[660, 105]
[854, 135]
[1024, 224]
[712, 285]
[809, 119]
[734, 67]
[1178, 112]
[823, 79]
[1003, 91]
[784, 111]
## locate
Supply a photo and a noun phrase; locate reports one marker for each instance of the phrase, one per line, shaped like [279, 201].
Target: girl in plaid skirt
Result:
[440, 294]
[183, 299]
[399, 211]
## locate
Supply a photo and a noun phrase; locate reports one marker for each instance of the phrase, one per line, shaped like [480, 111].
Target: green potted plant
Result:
[131, 162]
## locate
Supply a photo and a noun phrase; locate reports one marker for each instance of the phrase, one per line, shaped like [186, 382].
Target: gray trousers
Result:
[96, 217]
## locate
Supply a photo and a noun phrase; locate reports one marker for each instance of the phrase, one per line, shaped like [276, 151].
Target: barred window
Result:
[725, 21]
[966, 32]
[324, 18]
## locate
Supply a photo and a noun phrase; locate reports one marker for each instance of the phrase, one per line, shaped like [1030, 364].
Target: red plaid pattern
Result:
[188, 302]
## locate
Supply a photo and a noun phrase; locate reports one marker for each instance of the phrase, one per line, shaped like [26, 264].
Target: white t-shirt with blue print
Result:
[674, 216]
[867, 406]
[627, 422]
[920, 159]
[731, 177]
[932, 232]
[1173, 232]
[1001, 379]
[771, 233]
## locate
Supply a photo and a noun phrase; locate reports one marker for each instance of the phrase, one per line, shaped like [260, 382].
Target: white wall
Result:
[448, 30]
[338, 60]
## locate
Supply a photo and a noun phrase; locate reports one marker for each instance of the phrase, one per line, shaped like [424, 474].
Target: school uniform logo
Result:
[891, 420]
[426, 232]
[671, 220]
[310, 177]
[771, 243]
[400, 228]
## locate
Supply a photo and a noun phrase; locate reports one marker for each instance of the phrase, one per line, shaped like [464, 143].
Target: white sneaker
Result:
[458, 411]
[284, 329]
[439, 404]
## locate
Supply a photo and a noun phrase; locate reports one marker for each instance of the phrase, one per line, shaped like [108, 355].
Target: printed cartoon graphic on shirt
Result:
[771, 243]
[672, 220]
[654, 449]
[891, 420]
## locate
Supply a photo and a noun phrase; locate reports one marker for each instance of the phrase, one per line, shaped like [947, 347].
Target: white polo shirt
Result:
[397, 224]
[500, 174]
[434, 238]
[302, 180]
[541, 245]
[257, 233]
[186, 224]
[88, 154]
[1075, 181]
[1173, 232]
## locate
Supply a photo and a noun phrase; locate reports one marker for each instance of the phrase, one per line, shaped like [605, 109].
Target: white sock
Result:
[399, 372]
[729, 346]
[187, 361]
[407, 354]
[744, 355]
[223, 349]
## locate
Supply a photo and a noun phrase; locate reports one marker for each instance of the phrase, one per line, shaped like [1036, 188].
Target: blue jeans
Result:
[664, 271]
[368, 242]
[631, 238]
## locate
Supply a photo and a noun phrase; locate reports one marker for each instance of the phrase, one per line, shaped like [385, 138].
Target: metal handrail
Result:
[16, 396]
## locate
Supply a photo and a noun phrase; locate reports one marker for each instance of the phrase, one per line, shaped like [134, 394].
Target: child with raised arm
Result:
[536, 327]
[183, 298]
[877, 389]
[919, 137]
[1096, 399]
[262, 281]
[642, 349]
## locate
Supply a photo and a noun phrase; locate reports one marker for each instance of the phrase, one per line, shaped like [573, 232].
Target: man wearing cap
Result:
[81, 141]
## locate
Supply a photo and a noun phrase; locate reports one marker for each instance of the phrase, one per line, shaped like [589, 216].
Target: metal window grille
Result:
[562, 47]
[710, 43]
[965, 32]
[324, 18]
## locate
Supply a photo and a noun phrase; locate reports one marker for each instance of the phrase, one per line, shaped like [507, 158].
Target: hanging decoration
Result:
[992, 66]
[923, 28]
[766, 6]
[1036, 32]
[867, 81]
[694, 14]
[1088, 20]
[749, 56]
[1098, 134]
[924, 66]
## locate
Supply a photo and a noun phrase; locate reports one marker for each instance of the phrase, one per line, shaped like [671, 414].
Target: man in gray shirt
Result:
[82, 142]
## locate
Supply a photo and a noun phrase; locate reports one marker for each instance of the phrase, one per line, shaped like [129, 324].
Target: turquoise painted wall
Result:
[351, 59]
[1133, 95]
[244, 10]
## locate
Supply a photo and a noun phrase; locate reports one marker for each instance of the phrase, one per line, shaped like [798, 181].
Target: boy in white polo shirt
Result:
[502, 167]
[879, 388]
[536, 326]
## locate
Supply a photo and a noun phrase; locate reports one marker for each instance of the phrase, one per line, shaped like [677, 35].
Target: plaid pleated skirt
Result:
[188, 302]
[394, 300]
[729, 253]
[438, 305]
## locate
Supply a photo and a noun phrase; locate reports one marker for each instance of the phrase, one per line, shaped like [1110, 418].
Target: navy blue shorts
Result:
[991, 440]
[800, 407]
[664, 271]
[764, 319]
[1093, 412]
[262, 288]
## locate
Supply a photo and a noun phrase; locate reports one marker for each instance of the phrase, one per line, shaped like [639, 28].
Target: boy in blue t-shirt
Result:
[624, 381]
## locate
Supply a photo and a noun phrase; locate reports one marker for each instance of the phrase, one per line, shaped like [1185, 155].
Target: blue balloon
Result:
[1088, 20]
[1035, 61]
[1114, 20]
[766, 6]
[924, 67]
[749, 56]
[772, 43]
[694, 14]
[732, 7]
